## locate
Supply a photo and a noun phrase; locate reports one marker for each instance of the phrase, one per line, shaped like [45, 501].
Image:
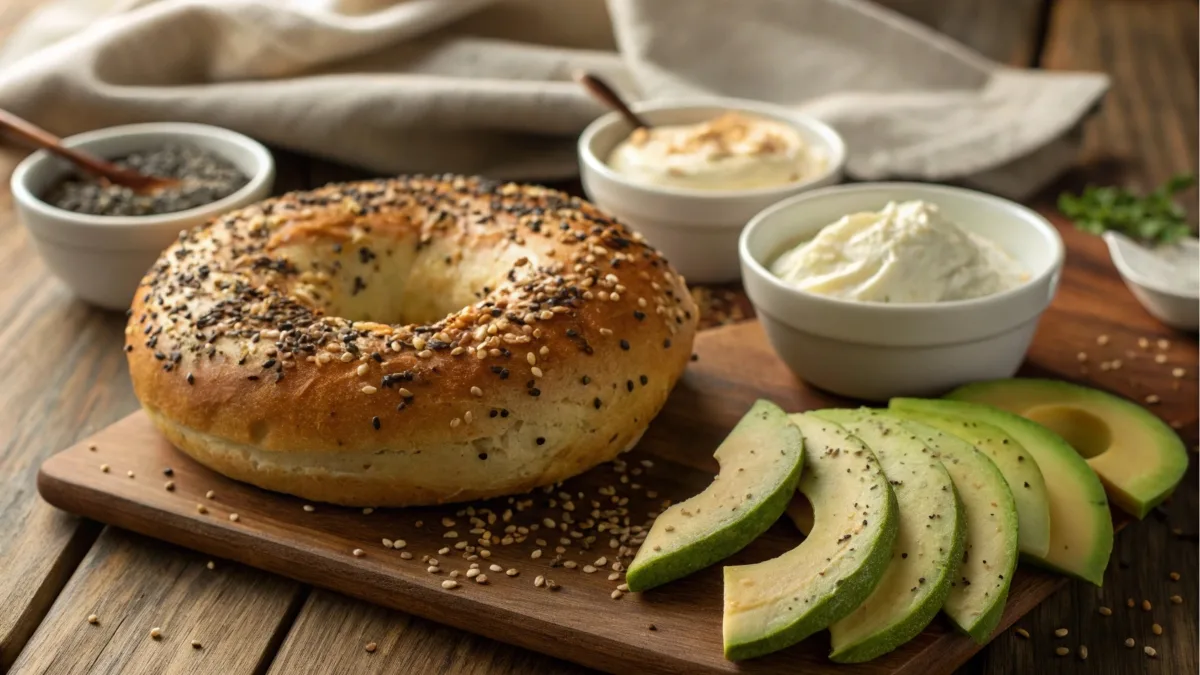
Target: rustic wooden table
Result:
[64, 377]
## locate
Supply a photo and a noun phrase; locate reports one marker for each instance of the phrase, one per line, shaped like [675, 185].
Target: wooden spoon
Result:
[103, 169]
[600, 89]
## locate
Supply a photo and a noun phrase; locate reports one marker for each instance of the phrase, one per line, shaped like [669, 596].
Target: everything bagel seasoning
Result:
[205, 178]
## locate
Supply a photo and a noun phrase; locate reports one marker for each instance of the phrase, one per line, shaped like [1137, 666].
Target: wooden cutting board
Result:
[674, 629]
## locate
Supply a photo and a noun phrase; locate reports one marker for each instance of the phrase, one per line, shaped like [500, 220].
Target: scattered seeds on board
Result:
[234, 517]
[1062, 651]
[210, 495]
[129, 473]
[1174, 576]
[1129, 642]
[1150, 651]
[1104, 611]
[156, 633]
[481, 579]
[358, 553]
[1156, 629]
[1146, 605]
[1023, 633]
[367, 510]
[169, 485]
[449, 584]
[309, 508]
[1176, 599]
[210, 565]
[1060, 632]
[406, 556]
[1129, 602]
[93, 619]
[1083, 652]
[616, 595]
[104, 468]
[1101, 340]
[371, 647]
[201, 509]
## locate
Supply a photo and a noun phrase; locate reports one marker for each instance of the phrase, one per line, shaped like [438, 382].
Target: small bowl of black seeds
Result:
[100, 238]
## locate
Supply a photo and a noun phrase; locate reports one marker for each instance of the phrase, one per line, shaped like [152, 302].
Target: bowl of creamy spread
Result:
[703, 168]
[899, 289]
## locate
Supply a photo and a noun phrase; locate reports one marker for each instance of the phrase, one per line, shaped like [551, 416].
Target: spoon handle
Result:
[47, 141]
[600, 89]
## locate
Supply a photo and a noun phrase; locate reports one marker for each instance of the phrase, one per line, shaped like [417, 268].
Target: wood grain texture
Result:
[237, 614]
[581, 622]
[333, 631]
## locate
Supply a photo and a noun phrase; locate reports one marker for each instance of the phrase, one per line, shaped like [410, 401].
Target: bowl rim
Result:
[1032, 219]
[1131, 275]
[263, 171]
[832, 143]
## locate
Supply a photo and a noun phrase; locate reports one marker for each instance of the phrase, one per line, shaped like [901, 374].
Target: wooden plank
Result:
[1146, 129]
[64, 377]
[1007, 31]
[333, 631]
[236, 614]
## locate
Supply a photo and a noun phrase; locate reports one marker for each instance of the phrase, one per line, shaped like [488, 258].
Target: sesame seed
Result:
[476, 391]
[531, 358]
[1102, 339]
[1164, 345]
[129, 473]
[201, 509]
[539, 581]
[92, 446]
[196, 644]
[1143, 343]
[512, 572]
[1082, 357]
[1146, 605]
[1173, 576]
[1178, 372]
[399, 544]
[234, 517]
[1083, 652]
[1060, 632]
[375, 423]
[1176, 600]
[367, 510]
[371, 647]
[1160, 358]
[472, 573]
[589, 569]
[93, 619]
[1104, 611]
[1150, 651]
[481, 579]
[1152, 399]
[449, 584]
[169, 485]
[406, 556]
[1062, 651]
[1156, 629]
[358, 553]
[616, 595]
[362, 369]
[210, 565]
[104, 468]
[368, 389]
[156, 633]
[433, 569]
[309, 508]
[210, 495]
[495, 568]
[1023, 633]
[1129, 642]
[536, 554]
[537, 372]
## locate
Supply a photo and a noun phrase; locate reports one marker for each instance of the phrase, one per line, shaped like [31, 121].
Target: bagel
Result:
[408, 341]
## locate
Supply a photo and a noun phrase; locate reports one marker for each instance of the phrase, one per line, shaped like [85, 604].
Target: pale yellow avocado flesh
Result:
[760, 460]
[1024, 478]
[1138, 458]
[1081, 529]
[928, 548]
[980, 587]
[773, 604]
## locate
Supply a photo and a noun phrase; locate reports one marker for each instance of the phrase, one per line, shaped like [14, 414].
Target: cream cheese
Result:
[908, 252]
[731, 152]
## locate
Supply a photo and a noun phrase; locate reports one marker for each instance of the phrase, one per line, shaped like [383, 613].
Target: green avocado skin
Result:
[717, 546]
[726, 540]
[854, 589]
[903, 631]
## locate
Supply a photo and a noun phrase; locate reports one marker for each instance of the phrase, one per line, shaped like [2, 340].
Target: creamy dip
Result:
[731, 152]
[908, 252]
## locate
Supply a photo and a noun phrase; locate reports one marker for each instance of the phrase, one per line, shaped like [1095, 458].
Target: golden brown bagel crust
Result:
[570, 335]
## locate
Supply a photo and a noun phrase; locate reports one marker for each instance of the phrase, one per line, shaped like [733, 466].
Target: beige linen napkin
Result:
[483, 86]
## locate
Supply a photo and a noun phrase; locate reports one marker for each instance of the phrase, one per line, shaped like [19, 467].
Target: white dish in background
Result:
[1141, 268]
[697, 230]
[875, 351]
[103, 258]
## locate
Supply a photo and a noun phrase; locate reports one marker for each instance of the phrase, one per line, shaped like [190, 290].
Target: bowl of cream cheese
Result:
[693, 179]
[879, 290]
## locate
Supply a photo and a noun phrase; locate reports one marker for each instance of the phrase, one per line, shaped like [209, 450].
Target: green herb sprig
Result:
[1154, 218]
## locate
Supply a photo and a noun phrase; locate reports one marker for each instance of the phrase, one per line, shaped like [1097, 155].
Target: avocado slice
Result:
[1015, 464]
[1081, 530]
[1138, 458]
[928, 547]
[980, 586]
[776, 603]
[760, 461]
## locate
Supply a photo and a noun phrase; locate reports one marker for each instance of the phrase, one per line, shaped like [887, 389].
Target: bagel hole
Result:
[397, 282]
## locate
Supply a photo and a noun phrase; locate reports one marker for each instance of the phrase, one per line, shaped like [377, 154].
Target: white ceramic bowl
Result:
[875, 351]
[102, 258]
[697, 230]
[1168, 305]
